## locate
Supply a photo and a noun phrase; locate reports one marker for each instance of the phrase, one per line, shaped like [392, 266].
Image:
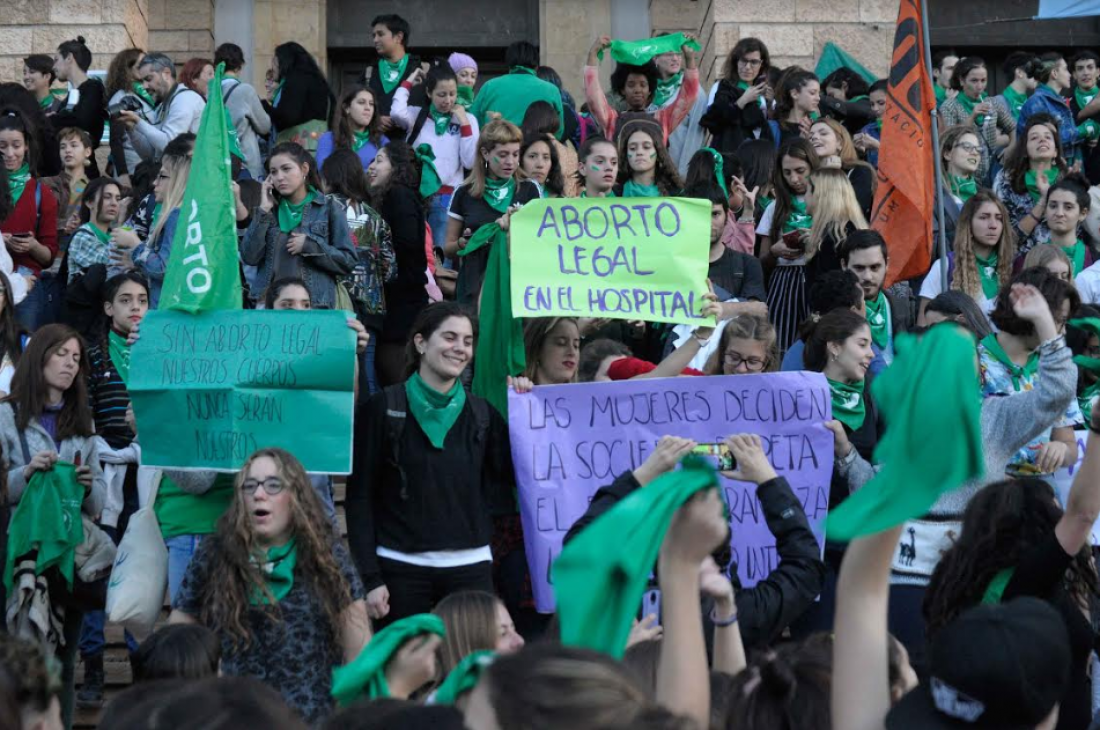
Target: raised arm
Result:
[1083, 503]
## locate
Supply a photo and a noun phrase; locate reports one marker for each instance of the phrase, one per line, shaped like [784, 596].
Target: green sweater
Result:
[181, 513]
[510, 95]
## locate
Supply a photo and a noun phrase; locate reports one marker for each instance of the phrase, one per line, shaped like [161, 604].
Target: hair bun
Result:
[80, 40]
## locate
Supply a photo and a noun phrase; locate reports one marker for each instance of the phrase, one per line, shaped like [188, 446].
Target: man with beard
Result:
[864, 254]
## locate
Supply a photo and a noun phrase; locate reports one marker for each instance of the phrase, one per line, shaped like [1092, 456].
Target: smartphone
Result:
[794, 240]
[77, 459]
[718, 454]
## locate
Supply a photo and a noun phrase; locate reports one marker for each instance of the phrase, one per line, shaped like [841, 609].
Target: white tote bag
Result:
[139, 578]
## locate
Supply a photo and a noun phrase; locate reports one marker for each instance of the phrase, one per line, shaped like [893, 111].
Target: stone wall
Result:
[279, 21]
[183, 29]
[39, 26]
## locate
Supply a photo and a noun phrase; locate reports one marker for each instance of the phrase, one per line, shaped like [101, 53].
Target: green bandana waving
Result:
[1017, 372]
[878, 319]
[499, 193]
[278, 570]
[1016, 101]
[366, 674]
[390, 74]
[849, 406]
[963, 188]
[637, 53]
[667, 89]
[987, 272]
[290, 214]
[1033, 188]
[799, 219]
[1084, 97]
[17, 181]
[440, 119]
[435, 412]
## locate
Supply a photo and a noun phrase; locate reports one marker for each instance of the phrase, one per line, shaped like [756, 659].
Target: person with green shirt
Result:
[864, 253]
[90, 243]
[509, 96]
[1019, 68]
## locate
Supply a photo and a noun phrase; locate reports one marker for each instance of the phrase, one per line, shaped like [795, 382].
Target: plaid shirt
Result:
[85, 250]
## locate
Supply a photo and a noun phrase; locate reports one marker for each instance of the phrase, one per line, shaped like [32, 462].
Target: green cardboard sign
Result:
[209, 389]
[618, 258]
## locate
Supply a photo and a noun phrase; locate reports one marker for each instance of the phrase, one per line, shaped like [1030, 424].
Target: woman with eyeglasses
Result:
[747, 345]
[961, 152]
[738, 109]
[277, 586]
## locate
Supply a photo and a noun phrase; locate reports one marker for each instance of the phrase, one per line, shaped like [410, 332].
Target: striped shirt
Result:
[109, 398]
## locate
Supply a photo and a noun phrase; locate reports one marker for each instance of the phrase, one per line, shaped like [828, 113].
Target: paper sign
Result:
[570, 440]
[617, 258]
[210, 389]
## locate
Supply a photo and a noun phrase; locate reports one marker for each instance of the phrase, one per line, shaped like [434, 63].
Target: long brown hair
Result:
[28, 385]
[535, 333]
[666, 176]
[472, 625]
[799, 149]
[234, 575]
[11, 332]
[342, 133]
[120, 77]
[966, 278]
[1017, 163]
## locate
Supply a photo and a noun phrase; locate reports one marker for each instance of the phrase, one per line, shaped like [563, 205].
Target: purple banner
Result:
[570, 440]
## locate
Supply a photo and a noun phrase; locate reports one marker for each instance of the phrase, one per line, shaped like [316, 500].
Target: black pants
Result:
[415, 589]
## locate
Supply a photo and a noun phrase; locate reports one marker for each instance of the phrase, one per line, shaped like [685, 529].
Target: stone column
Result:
[279, 21]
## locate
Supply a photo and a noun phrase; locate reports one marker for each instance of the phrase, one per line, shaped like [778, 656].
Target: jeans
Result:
[43, 303]
[438, 205]
[67, 655]
[92, 641]
[323, 484]
[368, 374]
[415, 589]
[180, 550]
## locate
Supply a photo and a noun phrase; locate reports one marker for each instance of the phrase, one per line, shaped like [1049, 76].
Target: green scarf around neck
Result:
[1076, 254]
[1018, 372]
[119, 353]
[463, 678]
[499, 193]
[435, 412]
[290, 214]
[601, 574]
[608, 194]
[1030, 182]
[440, 119]
[1084, 97]
[143, 94]
[987, 273]
[429, 175]
[940, 92]
[46, 101]
[968, 105]
[849, 406]
[667, 88]
[278, 571]
[878, 319]
[360, 140]
[390, 74]
[1015, 100]
[799, 219]
[101, 235]
[365, 676]
[278, 92]
[926, 449]
[17, 181]
[963, 188]
[1089, 395]
[632, 189]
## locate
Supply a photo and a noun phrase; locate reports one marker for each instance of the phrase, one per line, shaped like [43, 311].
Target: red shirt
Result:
[42, 223]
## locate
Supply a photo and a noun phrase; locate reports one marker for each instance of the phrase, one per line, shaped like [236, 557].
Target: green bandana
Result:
[1015, 101]
[601, 574]
[1076, 254]
[719, 169]
[799, 219]
[500, 350]
[1088, 396]
[278, 571]
[522, 70]
[47, 520]
[637, 53]
[46, 101]
[968, 104]
[360, 140]
[465, 96]
[666, 89]
[926, 449]
[17, 180]
[234, 143]
[608, 194]
[878, 319]
[435, 412]
[763, 201]
[119, 352]
[278, 92]
[499, 193]
[987, 272]
[963, 188]
[142, 93]
[290, 214]
[463, 678]
[390, 74]
[103, 237]
[940, 92]
[441, 120]
[849, 407]
[1088, 129]
[1017, 372]
[744, 86]
[996, 588]
[366, 674]
[1032, 188]
[632, 189]
[1084, 97]
[878, 123]
[429, 175]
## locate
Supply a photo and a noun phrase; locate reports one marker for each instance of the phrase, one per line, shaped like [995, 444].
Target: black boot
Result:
[90, 694]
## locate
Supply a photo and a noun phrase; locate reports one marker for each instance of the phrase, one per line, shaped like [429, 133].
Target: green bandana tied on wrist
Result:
[1032, 188]
[849, 406]
[1088, 396]
[360, 140]
[667, 88]
[365, 676]
[600, 576]
[390, 74]
[637, 53]
[719, 169]
[632, 189]
[926, 449]
[463, 678]
[429, 175]
[1015, 100]
[17, 181]
[968, 105]
[878, 319]
[290, 214]
[278, 571]
[499, 193]
[435, 412]
[119, 353]
[963, 188]
[987, 272]
[441, 121]
[799, 219]
[500, 351]
[1017, 372]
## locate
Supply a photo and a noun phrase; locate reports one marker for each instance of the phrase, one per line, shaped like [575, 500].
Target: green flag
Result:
[834, 57]
[202, 268]
[927, 449]
[47, 519]
[636, 53]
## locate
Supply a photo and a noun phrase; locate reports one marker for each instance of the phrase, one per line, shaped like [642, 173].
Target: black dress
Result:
[405, 295]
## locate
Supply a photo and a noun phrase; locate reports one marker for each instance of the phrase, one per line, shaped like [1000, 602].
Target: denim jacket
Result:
[1045, 101]
[328, 254]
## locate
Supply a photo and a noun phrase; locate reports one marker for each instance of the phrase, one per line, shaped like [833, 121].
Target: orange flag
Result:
[903, 207]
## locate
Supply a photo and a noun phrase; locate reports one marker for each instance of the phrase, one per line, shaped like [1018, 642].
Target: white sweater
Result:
[455, 151]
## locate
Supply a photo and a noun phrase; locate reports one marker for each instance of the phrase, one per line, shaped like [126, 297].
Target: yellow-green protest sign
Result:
[618, 258]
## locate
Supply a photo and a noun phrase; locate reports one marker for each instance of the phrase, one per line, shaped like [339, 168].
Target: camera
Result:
[128, 103]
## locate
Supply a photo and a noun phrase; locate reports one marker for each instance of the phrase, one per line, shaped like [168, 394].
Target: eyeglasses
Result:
[750, 62]
[967, 147]
[753, 364]
[271, 485]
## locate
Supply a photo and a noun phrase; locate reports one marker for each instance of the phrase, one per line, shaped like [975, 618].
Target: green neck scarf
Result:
[798, 219]
[968, 104]
[608, 194]
[995, 591]
[366, 674]
[278, 571]
[119, 352]
[1029, 180]
[878, 319]
[601, 574]
[1017, 372]
[17, 181]
[102, 236]
[521, 70]
[719, 169]
[763, 201]
[632, 189]
[46, 101]
[500, 350]
[499, 193]
[429, 175]
[143, 94]
[290, 214]
[1084, 96]
[926, 449]
[441, 120]
[987, 272]
[940, 92]
[466, 96]
[1088, 396]
[435, 412]
[849, 406]
[1016, 100]
[1076, 254]
[963, 188]
[390, 74]
[463, 678]
[637, 53]
[667, 88]
[360, 140]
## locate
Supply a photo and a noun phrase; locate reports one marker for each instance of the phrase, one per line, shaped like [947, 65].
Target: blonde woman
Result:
[835, 149]
[831, 200]
[1051, 258]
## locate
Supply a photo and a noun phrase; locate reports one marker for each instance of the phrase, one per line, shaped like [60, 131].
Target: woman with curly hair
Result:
[649, 171]
[277, 586]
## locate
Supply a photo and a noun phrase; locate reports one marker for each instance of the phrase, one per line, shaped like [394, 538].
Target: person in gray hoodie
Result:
[245, 108]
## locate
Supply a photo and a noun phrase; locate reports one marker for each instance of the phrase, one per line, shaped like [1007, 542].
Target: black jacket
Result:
[417, 96]
[771, 605]
[730, 124]
[303, 99]
[89, 114]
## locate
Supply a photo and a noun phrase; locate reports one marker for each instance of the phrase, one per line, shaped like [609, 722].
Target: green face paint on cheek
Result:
[595, 168]
[496, 160]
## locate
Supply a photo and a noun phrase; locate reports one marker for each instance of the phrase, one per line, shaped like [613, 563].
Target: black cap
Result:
[1000, 666]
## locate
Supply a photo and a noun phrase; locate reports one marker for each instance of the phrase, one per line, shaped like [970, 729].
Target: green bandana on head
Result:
[849, 406]
[499, 193]
[429, 175]
[968, 105]
[667, 89]
[440, 119]
[632, 189]
[390, 74]
[1033, 188]
[435, 412]
[1017, 372]
[878, 319]
[1016, 101]
[799, 219]
[963, 188]
[290, 214]
[17, 181]
[987, 272]
[463, 678]
[119, 351]
[365, 676]
[637, 53]
[278, 571]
